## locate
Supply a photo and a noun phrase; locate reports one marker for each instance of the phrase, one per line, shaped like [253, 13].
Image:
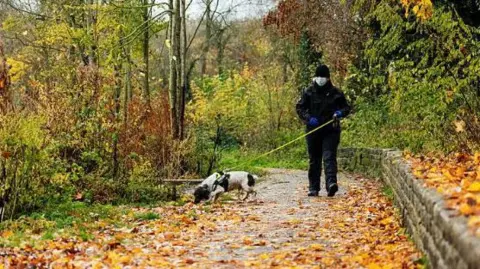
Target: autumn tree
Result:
[330, 25]
[147, 14]
[210, 10]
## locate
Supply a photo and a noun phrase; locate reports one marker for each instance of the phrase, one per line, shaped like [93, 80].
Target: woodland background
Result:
[102, 100]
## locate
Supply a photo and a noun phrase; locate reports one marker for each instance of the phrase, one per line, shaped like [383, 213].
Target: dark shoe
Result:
[313, 193]
[332, 189]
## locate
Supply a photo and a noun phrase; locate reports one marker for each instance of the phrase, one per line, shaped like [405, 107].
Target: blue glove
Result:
[338, 114]
[313, 122]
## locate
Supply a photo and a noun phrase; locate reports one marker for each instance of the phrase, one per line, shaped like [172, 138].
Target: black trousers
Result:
[322, 144]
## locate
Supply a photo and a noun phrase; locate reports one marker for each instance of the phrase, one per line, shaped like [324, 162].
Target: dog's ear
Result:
[220, 173]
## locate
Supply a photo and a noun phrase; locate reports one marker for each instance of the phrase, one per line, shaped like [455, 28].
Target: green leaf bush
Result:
[415, 81]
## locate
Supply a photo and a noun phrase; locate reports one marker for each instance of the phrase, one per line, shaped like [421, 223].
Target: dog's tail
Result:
[251, 180]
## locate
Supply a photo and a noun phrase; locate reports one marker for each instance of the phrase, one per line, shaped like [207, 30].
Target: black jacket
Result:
[321, 102]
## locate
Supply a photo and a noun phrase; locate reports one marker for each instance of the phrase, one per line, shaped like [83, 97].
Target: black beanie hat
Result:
[322, 71]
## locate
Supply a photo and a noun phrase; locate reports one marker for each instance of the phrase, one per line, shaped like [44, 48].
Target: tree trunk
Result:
[92, 24]
[120, 55]
[116, 99]
[4, 81]
[184, 80]
[208, 36]
[221, 42]
[126, 56]
[145, 48]
[172, 83]
[3, 181]
[127, 95]
[216, 144]
[178, 63]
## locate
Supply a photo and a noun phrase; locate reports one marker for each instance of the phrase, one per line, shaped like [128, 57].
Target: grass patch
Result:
[48, 235]
[73, 219]
[423, 262]
[147, 216]
[388, 191]
[59, 220]
[84, 234]
[227, 197]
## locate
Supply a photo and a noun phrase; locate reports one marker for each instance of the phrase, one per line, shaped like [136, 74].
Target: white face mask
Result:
[320, 81]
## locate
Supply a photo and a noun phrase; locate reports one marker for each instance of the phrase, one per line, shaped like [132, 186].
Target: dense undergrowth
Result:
[76, 120]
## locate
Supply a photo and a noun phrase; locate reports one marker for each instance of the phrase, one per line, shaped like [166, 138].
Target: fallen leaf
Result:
[459, 126]
[373, 266]
[466, 209]
[6, 154]
[474, 187]
[7, 233]
[79, 196]
[316, 247]
[189, 261]
[247, 241]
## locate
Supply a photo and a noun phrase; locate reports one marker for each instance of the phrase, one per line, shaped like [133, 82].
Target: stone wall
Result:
[442, 236]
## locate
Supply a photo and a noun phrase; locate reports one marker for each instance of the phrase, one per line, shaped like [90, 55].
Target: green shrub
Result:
[415, 84]
[252, 110]
[26, 163]
[145, 186]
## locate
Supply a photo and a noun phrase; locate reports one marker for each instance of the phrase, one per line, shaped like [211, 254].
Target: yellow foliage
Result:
[17, 69]
[59, 33]
[23, 129]
[59, 178]
[263, 46]
[475, 187]
[245, 105]
[423, 9]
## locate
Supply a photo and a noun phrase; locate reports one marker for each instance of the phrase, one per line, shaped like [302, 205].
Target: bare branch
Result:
[142, 27]
[196, 29]
[29, 43]
[41, 16]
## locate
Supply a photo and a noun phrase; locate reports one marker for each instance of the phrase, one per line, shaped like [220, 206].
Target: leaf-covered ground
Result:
[457, 178]
[356, 229]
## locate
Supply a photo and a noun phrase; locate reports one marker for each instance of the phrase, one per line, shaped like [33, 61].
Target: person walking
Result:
[319, 103]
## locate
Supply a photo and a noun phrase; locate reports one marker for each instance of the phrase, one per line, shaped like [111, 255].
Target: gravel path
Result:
[284, 227]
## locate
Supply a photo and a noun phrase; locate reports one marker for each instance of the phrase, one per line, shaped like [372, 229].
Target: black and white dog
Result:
[217, 183]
